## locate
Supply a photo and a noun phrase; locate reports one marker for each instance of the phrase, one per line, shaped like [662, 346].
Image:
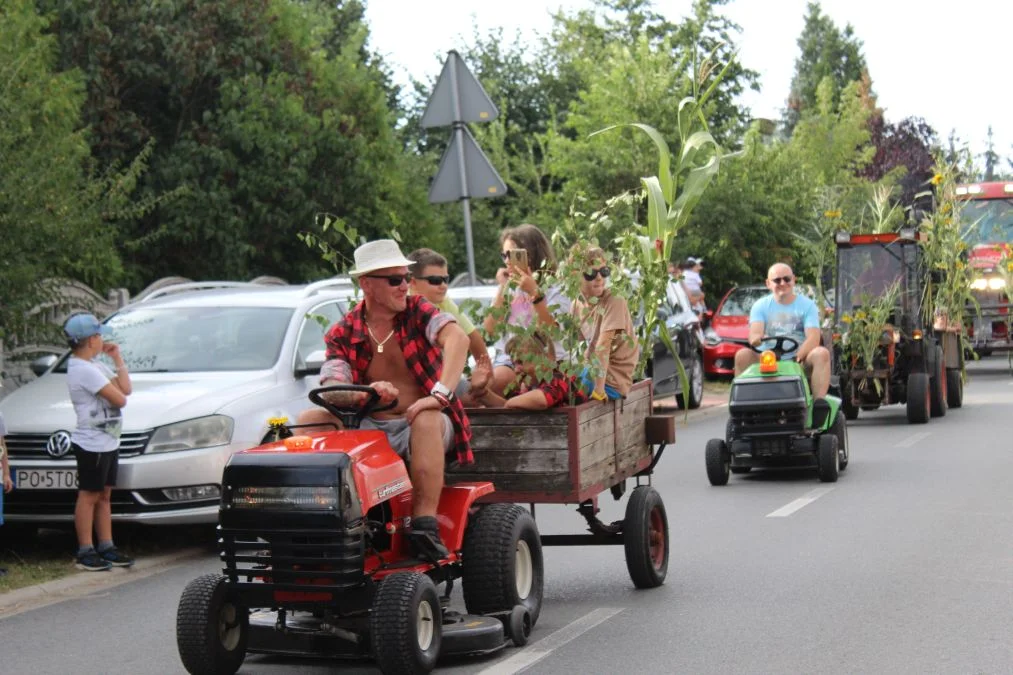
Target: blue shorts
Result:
[587, 386]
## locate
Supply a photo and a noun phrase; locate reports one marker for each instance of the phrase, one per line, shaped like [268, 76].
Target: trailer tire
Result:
[954, 387]
[918, 402]
[212, 628]
[645, 538]
[502, 563]
[406, 624]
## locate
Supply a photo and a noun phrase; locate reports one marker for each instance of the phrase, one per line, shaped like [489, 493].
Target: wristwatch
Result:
[442, 394]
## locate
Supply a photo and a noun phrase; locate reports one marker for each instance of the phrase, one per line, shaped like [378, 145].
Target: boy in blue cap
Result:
[98, 396]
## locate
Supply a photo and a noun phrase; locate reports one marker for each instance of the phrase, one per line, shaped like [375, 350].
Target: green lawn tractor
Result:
[774, 421]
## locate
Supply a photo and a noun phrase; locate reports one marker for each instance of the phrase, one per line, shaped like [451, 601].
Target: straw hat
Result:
[378, 255]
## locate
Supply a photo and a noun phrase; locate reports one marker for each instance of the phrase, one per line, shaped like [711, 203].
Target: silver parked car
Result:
[210, 365]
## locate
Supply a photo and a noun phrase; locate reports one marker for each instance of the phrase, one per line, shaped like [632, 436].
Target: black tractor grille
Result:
[293, 560]
[34, 445]
[768, 421]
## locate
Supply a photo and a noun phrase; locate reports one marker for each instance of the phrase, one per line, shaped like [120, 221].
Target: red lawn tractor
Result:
[314, 536]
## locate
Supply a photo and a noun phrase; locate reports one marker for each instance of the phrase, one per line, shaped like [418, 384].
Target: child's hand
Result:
[112, 349]
[480, 377]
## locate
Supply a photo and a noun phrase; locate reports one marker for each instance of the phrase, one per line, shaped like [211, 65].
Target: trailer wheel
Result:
[828, 459]
[212, 627]
[954, 387]
[840, 430]
[406, 624]
[918, 403]
[502, 562]
[718, 462]
[938, 386]
[645, 538]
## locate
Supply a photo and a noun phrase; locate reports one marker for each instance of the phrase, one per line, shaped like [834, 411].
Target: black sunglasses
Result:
[593, 274]
[436, 280]
[393, 280]
[782, 280]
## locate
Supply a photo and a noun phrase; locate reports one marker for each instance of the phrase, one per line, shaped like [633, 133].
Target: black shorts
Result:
[96, 470]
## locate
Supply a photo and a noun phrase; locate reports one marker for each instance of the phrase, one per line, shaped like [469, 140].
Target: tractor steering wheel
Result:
[779, 348]
[358, 412]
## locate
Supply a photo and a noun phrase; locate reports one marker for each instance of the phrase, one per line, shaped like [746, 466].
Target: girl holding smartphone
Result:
[527, 255]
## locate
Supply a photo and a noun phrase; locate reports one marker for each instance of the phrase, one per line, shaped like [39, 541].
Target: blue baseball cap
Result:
[83, 326]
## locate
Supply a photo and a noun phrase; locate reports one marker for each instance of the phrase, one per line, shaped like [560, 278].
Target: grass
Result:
[49, 554]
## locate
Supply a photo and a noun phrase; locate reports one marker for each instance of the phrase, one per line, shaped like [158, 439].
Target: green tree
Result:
[57, 210]
[991, 158]
[826, 52]
[269, 112]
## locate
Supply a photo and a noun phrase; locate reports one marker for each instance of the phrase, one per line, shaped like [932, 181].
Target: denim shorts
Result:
[399, 433]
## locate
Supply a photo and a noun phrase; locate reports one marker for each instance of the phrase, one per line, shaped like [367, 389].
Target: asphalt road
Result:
[903, 566]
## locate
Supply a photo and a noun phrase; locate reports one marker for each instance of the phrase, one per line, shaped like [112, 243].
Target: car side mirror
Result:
[42, 364]
[314, 362]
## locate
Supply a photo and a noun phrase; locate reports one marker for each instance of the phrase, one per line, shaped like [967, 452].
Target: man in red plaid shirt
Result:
[405, 349]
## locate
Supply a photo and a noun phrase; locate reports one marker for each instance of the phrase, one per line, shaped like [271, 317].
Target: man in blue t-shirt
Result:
[784, 312]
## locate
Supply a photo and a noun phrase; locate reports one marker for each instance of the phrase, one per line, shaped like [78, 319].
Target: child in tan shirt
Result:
[607, 327]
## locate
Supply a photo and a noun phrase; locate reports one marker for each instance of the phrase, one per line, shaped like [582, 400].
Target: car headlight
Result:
[711, 337]
[979, 284]
[203, 432]
[323, 497]
[996, 283]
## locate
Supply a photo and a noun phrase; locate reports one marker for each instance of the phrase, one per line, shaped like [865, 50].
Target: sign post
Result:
[465, 172]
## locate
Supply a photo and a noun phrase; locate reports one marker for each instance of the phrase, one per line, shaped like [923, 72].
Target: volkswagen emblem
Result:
[58, 444]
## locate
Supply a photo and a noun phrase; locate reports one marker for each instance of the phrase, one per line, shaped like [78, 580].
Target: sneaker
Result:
[428, 545]
[116, 559]
[92, 562]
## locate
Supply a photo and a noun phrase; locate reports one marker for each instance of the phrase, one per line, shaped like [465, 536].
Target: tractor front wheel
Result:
[406, 624]
[718, 462]
[212, 627]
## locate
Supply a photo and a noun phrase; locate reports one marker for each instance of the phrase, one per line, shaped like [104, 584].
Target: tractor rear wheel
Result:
[828, 458]
[918, 403]
[938, 386]
[954, 387]
[847, 402]
[502, 565]
[840, 430]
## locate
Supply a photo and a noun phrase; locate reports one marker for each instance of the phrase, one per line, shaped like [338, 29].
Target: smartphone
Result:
[519, 258]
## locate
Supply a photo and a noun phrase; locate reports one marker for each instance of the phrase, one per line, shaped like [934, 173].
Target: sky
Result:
[950, 65]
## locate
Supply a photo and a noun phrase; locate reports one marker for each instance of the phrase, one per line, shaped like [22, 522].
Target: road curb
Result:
[79, 584]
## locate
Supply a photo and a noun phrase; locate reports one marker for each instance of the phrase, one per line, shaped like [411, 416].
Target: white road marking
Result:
[914, 438]
[792, 507]
[539, 650]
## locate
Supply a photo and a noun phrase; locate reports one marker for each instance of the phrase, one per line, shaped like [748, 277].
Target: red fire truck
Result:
[988, 215]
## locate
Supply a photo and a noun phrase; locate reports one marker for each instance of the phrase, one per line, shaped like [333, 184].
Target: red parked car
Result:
[729, 327]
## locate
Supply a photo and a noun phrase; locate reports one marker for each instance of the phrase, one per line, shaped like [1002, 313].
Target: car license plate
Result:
[44, 479]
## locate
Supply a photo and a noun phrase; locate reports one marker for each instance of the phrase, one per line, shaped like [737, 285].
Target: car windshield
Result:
[740, 301]
[988, 221]
[197, 339]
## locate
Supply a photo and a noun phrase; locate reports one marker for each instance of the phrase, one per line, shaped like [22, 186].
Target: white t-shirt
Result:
[98, 423]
